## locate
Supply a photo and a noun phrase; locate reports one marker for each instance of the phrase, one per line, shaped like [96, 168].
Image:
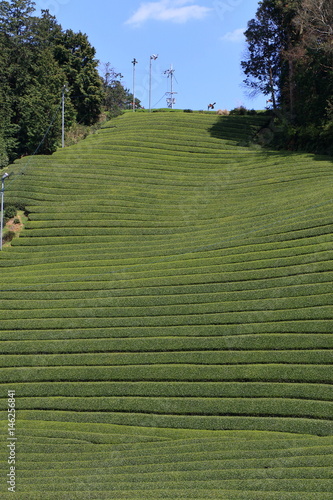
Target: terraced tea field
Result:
[166, 316]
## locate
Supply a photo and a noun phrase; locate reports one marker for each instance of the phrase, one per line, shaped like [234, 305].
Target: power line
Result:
[13, 177]
[53, 119]
[160, 99]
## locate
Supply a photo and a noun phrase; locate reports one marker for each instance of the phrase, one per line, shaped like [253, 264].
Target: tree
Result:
[114, 93]
[40, 105]
[76, 57]
[312, 59]
[268, 36]
[46, 30]
[37, 58]
[15, 18]
[115, 96]
[14, 62]
[263, 63]
[315, 22]
[290, 55]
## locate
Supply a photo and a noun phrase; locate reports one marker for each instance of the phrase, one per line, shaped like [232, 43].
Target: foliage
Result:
[240, 111]
[266, 39]
[75, 56]
[311, 57]
[37, 60]
[115, 97]
[290, 57]
[314, 20]
[4, 159]
[9, 212]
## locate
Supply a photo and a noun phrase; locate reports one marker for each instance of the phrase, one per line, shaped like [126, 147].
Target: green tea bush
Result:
[170, 283]
[9, 212]
[225, 389]
[187, 406]
[255, 373]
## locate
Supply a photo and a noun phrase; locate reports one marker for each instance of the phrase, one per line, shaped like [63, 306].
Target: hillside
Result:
[166, 316]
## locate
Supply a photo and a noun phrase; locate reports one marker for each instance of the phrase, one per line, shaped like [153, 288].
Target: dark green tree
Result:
[290, 55]
[76, 57]
[36, 60]
[268, 38]
[312, 59]
[116, 97]
[15, 19]
[40, 105]
[15, 57]
[5, 110]
[114, 94]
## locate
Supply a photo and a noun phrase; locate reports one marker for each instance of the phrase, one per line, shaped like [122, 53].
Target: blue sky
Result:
[202, 39]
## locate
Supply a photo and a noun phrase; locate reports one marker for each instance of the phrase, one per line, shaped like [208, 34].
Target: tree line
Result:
[37, 60]
[290, 59]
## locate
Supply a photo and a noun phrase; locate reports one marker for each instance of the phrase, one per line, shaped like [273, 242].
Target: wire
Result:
[48, 129]
[13, 177]
[37, 149]
[160, 99]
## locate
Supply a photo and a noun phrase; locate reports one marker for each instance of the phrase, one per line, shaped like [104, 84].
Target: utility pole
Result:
[64, 89]
[2, 204]
[152, 58]
[170, 100]
[134, 62]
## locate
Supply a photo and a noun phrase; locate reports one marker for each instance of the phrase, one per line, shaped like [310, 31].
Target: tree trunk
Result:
[272, 86]
[291, 87]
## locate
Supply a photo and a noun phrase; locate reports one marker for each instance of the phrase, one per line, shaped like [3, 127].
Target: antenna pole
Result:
[171, 77]
[152, 58]
[134, 62]
[63, 117]
[170, 100]
[64, 89]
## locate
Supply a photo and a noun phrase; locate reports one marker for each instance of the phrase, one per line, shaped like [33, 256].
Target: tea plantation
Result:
[166, 316]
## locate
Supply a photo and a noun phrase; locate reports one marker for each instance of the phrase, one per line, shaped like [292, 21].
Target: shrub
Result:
[223, 112]
[10, 212]
[188, 111]
[312, 138]
[8, 237]
[241, 110]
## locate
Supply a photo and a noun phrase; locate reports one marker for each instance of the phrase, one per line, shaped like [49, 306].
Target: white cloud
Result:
[234, 36]
[168, 10]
